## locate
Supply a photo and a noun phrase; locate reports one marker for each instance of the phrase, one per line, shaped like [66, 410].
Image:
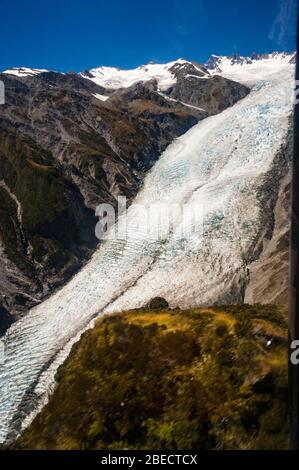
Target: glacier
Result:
[223, 165]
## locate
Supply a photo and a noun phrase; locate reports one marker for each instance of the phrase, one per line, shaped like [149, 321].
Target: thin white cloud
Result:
[284, 23]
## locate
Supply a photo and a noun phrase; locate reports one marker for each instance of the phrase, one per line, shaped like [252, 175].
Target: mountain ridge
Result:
[154, 68]
[59, 134]
[231, 163]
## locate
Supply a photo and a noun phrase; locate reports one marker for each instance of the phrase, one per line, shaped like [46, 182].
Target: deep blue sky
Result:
[75, 35]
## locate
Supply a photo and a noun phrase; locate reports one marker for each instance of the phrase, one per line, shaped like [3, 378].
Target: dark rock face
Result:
[196, 88]
[5, 320]
[181, 71]
[157, 303]
[63, 151]
[211, 95]
[255, 56]
[213, 63]
[293, 58]
[237, 59]
[273, 258]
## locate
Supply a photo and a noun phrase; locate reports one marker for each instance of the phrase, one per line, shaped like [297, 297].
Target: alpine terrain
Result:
[214, 139]
[69, 142]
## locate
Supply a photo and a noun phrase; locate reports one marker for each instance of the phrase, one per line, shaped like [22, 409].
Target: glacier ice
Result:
[222, 164]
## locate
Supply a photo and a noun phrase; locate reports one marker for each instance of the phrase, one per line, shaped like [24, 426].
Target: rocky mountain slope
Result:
[71, 141]
[230, 166]
[268, 275]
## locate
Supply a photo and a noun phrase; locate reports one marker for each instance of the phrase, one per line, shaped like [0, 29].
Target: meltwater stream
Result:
[222, 166]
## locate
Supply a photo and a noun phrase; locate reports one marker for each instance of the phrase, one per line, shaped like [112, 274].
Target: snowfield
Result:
[224, 166]
[112, 77]
[24, 71]
[250, 73]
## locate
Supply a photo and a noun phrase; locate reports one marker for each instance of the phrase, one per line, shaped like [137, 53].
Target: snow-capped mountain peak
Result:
[24, 71]
[224, 165]
[248, 69]
[165, 74]
[219, 63]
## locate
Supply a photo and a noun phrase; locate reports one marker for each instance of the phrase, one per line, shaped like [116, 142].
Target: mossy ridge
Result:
[170, 379]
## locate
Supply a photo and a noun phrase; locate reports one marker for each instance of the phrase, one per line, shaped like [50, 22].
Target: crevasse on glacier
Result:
[222, 164]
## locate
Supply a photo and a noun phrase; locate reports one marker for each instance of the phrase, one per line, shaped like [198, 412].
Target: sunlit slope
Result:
[204, 378]
[230, 165]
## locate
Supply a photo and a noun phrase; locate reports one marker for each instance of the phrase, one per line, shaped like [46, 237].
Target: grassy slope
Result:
[197, 379]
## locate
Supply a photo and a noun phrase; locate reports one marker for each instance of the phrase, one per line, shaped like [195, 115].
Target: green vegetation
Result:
[204, 378]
